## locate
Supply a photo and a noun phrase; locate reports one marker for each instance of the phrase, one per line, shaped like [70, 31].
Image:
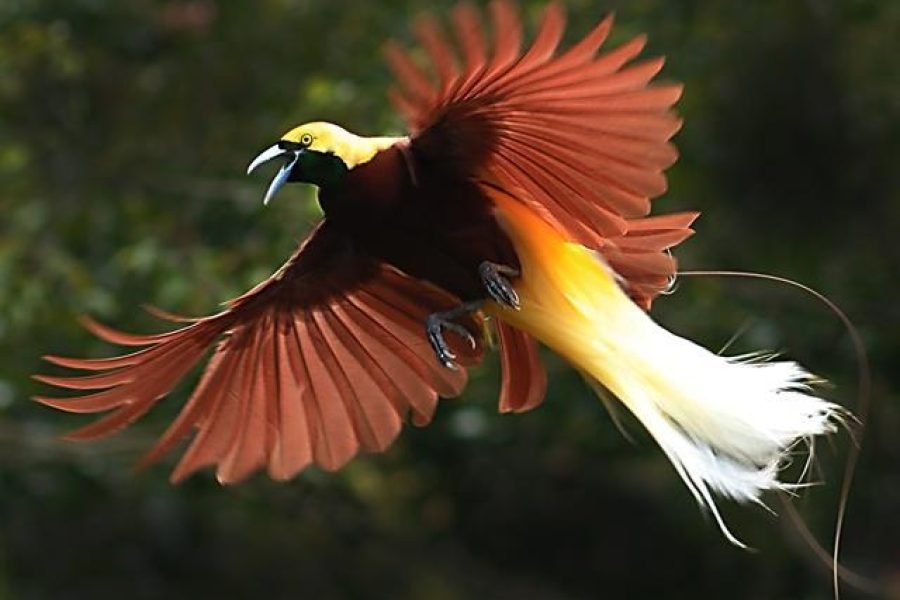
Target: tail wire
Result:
[863, 405]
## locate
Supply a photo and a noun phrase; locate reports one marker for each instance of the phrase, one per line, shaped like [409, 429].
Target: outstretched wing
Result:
[582, 138]
[326, 357]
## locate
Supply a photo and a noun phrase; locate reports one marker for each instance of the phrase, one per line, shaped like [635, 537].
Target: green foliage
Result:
[125, 128]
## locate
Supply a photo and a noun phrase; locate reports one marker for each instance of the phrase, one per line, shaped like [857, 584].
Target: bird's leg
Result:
[437, 322]
[496, 282]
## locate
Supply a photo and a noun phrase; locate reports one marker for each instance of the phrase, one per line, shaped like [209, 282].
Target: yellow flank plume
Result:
[329, 138]
[726, 424]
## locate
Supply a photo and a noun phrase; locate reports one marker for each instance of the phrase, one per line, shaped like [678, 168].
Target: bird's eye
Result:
[306, 140]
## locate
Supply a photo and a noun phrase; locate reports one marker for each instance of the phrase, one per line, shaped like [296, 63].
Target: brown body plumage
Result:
[421, 217]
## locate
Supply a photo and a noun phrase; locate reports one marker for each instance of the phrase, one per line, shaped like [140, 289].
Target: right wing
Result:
[326, 357]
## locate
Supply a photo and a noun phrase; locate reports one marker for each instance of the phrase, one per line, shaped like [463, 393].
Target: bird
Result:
[516, 209]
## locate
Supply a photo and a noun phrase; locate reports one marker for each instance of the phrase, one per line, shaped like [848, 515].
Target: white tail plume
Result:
[728, 425]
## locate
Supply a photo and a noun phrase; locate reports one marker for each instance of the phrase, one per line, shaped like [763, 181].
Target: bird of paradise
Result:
[520, 200]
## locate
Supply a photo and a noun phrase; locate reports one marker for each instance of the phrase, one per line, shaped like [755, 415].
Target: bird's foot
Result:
[496, 282]
[437, 323]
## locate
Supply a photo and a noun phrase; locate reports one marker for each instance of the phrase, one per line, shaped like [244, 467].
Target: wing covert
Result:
[325, 358]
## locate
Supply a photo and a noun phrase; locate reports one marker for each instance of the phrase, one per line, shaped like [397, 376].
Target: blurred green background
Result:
[125, 128]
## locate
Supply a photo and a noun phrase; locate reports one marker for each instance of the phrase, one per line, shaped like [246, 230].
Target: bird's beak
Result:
[281, 178]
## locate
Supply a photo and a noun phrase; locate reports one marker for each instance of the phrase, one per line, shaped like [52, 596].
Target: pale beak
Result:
[281, 178]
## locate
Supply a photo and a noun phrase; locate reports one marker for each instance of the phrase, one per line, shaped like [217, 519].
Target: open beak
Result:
[281, 178]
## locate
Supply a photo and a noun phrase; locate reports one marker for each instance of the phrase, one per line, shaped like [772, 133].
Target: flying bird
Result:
[520, 202]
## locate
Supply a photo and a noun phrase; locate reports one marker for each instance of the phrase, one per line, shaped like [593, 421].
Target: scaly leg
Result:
[437, 322]
[499, 289]
[496, 282]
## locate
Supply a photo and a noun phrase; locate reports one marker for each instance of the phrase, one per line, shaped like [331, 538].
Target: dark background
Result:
[125, 128]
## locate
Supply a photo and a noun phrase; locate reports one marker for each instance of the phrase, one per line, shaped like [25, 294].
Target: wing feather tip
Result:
[168, 316]
[227, 479]
[690, 217]
[45, 379]
[180, 473]
[47, 401]
[607, 21]
[282, 473]
[92, 431]
[69, 405]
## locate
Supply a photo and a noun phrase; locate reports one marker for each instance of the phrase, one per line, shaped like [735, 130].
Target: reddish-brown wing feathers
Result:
[325, 358]
[583, 138]
[524, 378]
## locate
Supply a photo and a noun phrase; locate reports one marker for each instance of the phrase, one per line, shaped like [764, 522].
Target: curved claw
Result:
[434, 326]
[496, 283]
[461, 332]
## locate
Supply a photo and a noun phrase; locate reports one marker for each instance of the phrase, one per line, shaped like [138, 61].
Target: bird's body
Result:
[521, 194]
[418, 219]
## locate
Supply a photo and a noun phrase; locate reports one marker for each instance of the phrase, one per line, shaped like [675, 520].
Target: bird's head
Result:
[319, 153]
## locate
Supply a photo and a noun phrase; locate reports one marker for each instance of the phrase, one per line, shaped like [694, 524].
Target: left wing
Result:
[326, 357]
[583, 139]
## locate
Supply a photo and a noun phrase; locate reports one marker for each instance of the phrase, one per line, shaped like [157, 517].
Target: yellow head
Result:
[319, 153]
